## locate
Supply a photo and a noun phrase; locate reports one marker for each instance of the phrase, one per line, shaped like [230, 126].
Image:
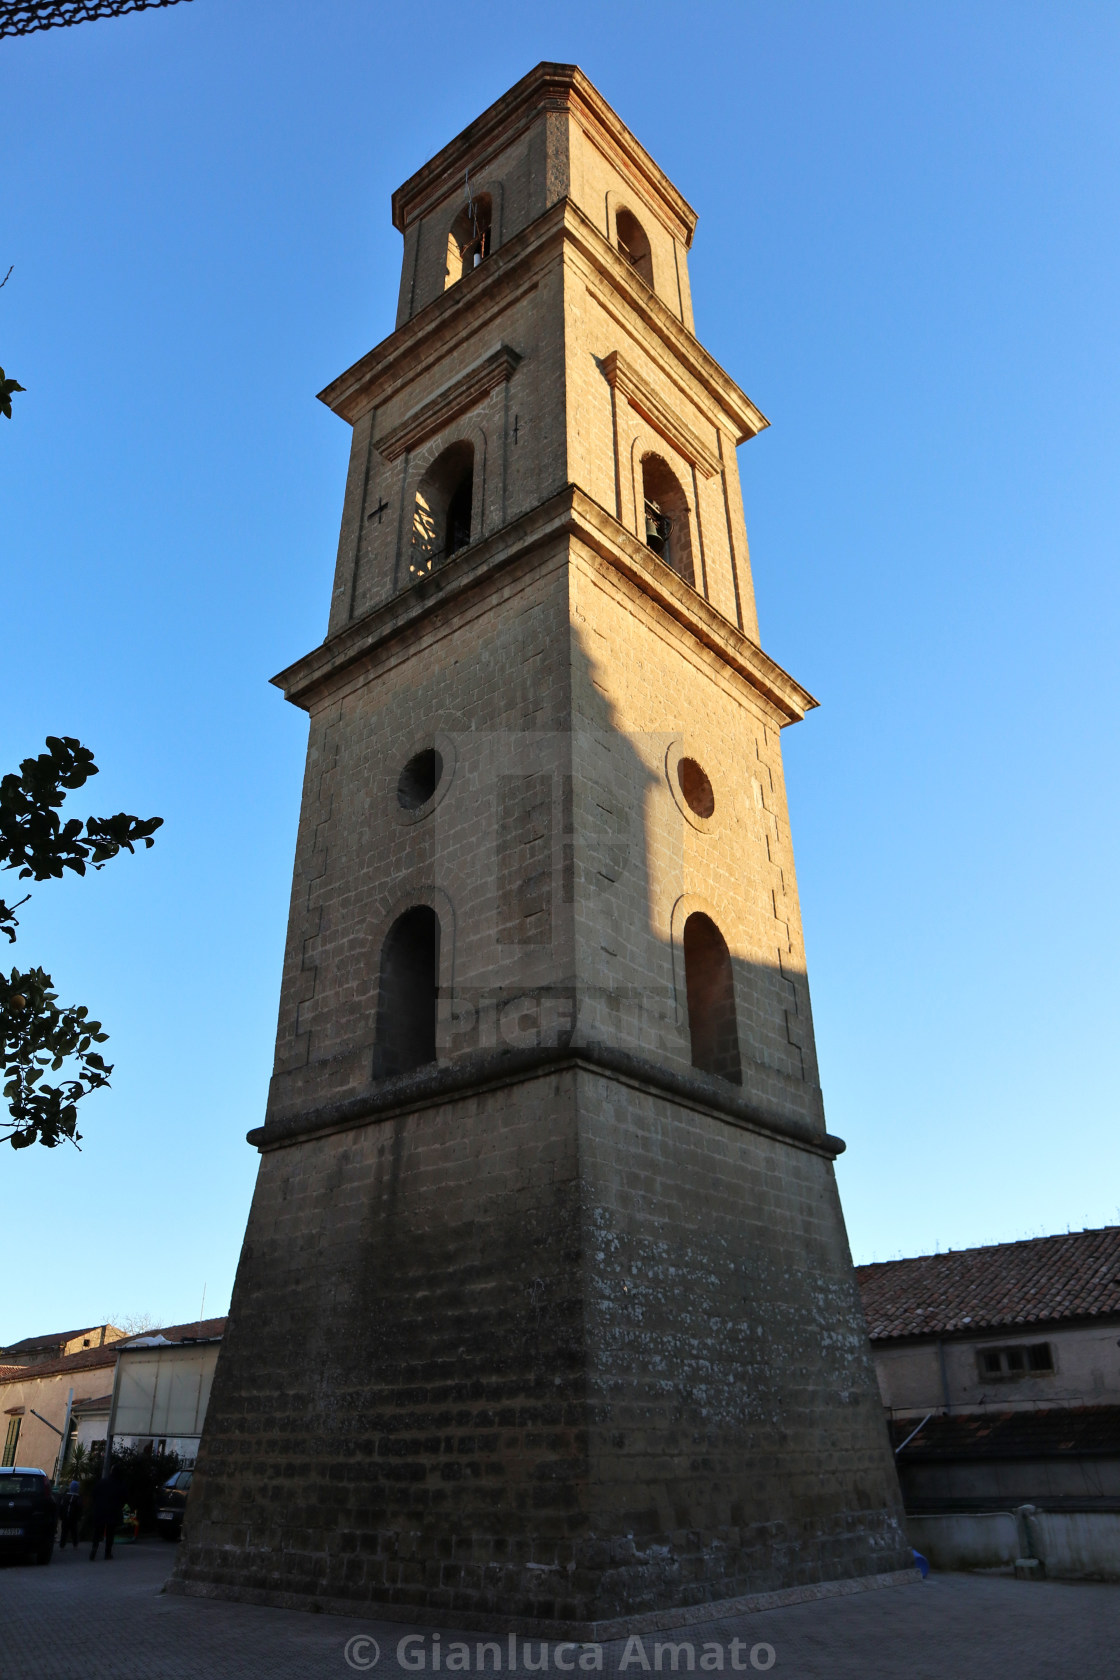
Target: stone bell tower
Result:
[545, 1315]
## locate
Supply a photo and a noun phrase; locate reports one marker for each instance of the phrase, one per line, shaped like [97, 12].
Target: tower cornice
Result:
[438, 1084]
[569, 513]
[462, 313]
[548, 87]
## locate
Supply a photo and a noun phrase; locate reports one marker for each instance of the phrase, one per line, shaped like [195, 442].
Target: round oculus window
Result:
[695, 787]
[419, 779]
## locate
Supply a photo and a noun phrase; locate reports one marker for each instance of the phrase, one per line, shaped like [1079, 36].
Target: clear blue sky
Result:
[908, 256]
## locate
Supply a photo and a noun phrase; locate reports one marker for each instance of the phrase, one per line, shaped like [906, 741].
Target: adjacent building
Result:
[42, 1350]
[162, 1389]
[36, 1402]
[149, 1388]
[999, 1368]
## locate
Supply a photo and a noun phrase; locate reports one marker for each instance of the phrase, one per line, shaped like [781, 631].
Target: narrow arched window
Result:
[441, 520]
[406, 1012]
[468, 242]
[710, 984]
[633, 244]
[665, 514]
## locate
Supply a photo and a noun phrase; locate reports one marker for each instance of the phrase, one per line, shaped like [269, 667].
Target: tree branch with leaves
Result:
[37, 1035]
[7, 386]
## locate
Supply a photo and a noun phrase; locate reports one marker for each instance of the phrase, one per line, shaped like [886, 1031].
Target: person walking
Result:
[70, 1510]
[108, 1504]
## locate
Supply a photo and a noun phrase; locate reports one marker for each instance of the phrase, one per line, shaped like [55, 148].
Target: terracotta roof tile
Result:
[88, 1359]
[1021, 1283]
[94, 1402]
[197, 1330]
[59, 1338]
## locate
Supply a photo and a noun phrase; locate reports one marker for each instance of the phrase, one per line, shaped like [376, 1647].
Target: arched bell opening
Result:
[441, 521]
[665, 515]
[468, 242]
[632, 243]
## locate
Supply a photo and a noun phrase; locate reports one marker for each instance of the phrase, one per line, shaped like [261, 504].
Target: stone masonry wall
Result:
[564, 1325]
[736, 1435]
[494, 667]
[655, 696]
[398, 1411]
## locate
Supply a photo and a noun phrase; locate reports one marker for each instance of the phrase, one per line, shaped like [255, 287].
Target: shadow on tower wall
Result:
[556, 1326]
[565, 867]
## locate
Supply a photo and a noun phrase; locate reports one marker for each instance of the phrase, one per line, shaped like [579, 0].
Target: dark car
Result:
[27, 1514]
[171, 1502]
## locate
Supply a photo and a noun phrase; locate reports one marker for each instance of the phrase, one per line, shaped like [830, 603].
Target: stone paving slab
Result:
[76, 1620]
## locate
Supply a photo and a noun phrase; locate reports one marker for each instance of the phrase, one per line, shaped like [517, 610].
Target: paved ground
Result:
[80, 1621]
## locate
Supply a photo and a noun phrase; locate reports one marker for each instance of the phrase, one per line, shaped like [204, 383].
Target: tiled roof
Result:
[94, 1403]
[44, 1344]
[200, 1329]
[88, 1359]
[971, 1289]
[1044, 1434]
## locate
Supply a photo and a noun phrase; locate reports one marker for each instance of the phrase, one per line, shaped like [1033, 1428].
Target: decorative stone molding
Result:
[447, 405]
[559, 88]
[482, 1070]
[463, 312]
[336, 660]
[645, 401]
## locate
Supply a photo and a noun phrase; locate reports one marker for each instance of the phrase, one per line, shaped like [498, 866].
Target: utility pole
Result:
[60, 1461]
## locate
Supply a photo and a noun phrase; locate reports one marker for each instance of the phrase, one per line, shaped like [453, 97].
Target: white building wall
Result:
[921, 1376]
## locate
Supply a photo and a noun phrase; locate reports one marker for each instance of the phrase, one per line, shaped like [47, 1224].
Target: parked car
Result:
[28, 1513]
[171, 1502]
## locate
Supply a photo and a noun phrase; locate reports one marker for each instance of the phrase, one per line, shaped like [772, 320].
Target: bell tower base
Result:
[574, 1350]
